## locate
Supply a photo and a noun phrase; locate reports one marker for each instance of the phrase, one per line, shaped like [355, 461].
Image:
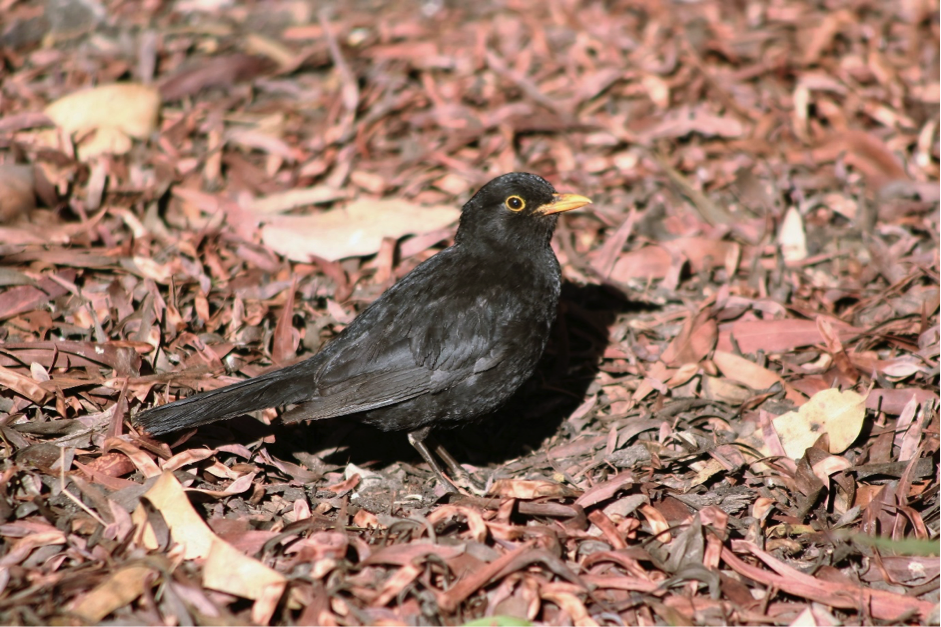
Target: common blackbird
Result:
[449, 343]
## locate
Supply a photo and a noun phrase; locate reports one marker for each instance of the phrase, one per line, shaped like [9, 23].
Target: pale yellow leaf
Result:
[352, 231]
[130, 107]
[118, 590]
[229, 570]
[791, 236]
[838, 414]
[186, 526]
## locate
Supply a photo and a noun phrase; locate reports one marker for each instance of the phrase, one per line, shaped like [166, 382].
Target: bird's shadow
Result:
[530, 417]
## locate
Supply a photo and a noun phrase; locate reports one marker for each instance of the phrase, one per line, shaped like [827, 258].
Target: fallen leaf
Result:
[749, 373]
[776, 336]
[791, 236]
[530, 489]
[498, 620]
[213, 71]
[118, 590]
[292, 199]
[685, 120]
[229, 570]
[186, 526]
[867, 153]
[226, 568]
[131, 108]
[17, 197]
[22, 385]
[105, 140]
[655, 262]
[720, 389]
[650, 262]
[694, 341]
[894, 401]
[838, 414]
[354, 230]
[606, 490]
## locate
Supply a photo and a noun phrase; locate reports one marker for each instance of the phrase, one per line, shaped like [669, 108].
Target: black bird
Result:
[449, 343]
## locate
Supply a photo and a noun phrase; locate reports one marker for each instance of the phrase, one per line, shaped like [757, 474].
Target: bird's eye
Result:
[515, 203]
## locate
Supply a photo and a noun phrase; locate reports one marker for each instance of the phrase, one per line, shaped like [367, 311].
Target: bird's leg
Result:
[457, 470]
[417, 439]
[420, 440]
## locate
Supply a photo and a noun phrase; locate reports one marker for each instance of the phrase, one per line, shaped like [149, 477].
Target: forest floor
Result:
[736, 421]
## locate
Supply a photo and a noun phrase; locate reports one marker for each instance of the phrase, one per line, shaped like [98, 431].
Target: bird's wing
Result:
[420, 338]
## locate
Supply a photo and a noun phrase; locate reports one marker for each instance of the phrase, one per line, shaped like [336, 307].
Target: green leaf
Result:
[908, 546]
[499, 621]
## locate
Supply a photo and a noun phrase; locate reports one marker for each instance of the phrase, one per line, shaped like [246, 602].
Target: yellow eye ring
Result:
[515, 203]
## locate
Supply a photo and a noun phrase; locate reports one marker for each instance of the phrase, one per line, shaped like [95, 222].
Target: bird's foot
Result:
[418, 440]
[467, 481]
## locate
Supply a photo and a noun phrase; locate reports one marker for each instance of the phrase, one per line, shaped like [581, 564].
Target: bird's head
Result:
[515, 209]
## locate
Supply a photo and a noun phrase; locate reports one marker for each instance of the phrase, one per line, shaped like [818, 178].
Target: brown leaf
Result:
[285, 340]
[218, 71]
[606, 490]
[776, 336]
[864, 151]
[894, 401]
[22, 385]
[118, 590]
[751, 374]
[698, 120]
[509, 563]
[17, 197]
[694, 341]
[823, 33]
[530, 489]
[882, 604]
[355, 230]
[655, 262]
[25, 298]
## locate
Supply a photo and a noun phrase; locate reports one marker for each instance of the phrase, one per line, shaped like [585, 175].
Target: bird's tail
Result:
[276, 388]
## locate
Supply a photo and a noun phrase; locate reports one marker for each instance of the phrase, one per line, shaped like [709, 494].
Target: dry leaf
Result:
[229, 570]
[22, 385]
[106, 118]
[838, 414]
[105, 140]
[17, 197]
[530, 489]
[694, 341]
[214, 71]
[292, 199]
[776, 336]
[118, 590]
[128, 107]
[685, 120]
[655, 262]
[355, 230]
[749, 373]
[186, 526]
[791, 236]
[226, 569]
[722, 390]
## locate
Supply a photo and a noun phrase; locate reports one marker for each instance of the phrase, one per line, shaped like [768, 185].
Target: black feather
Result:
[450, 342]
